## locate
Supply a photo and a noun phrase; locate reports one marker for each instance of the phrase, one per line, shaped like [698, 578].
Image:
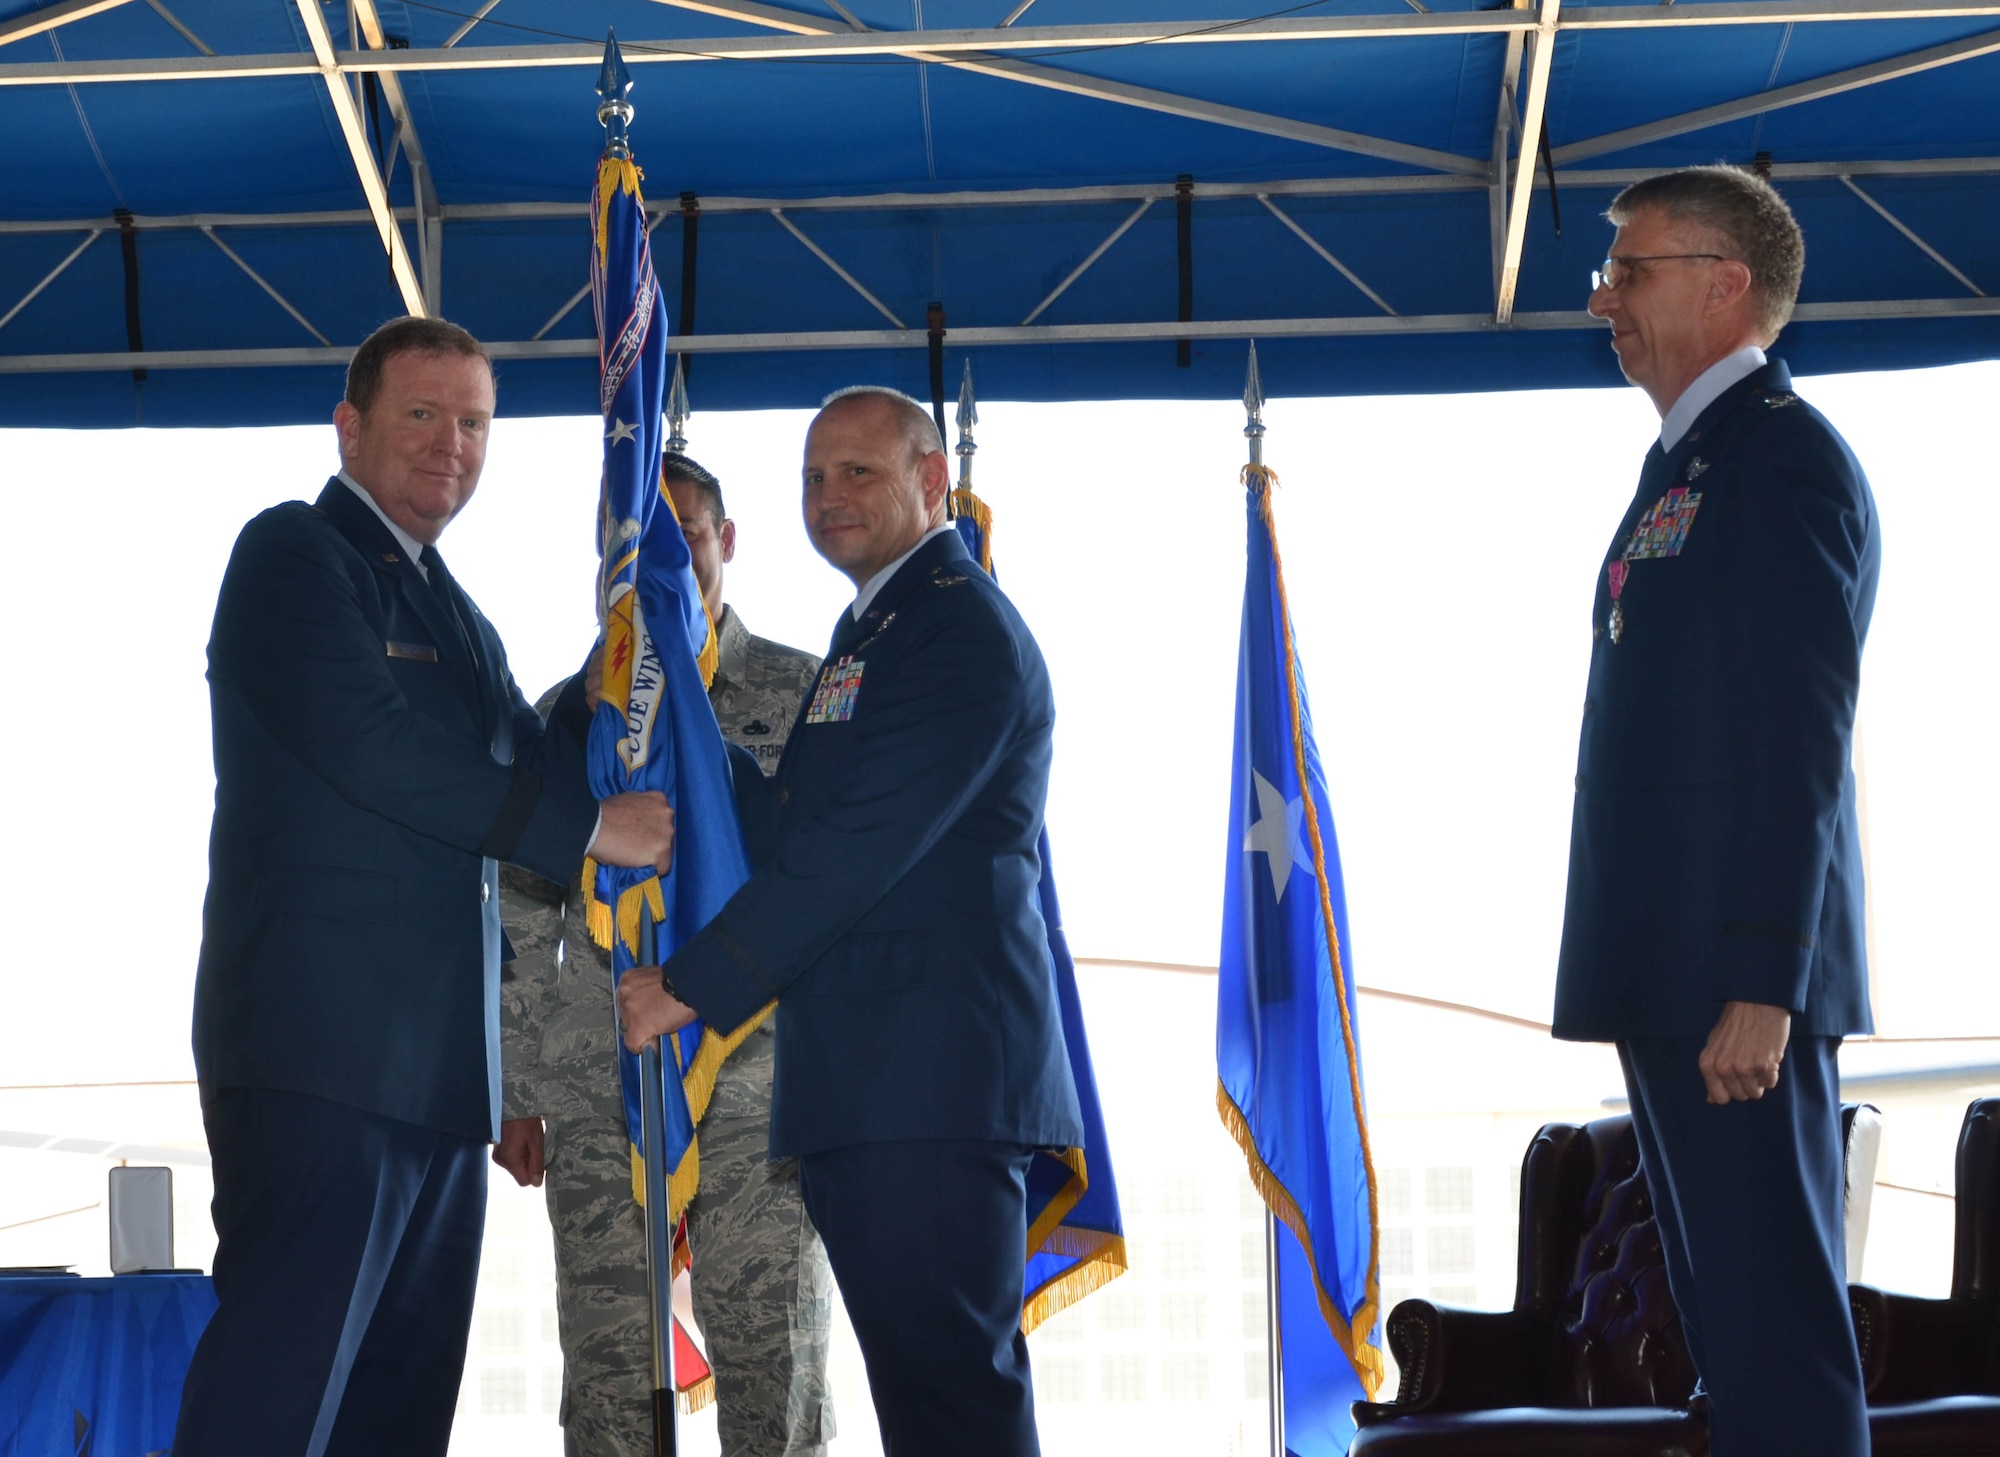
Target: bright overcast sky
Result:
[1441, 554]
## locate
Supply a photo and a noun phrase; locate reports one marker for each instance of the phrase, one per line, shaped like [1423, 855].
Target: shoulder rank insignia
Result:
[1778, 399]
[391, 557]
[1696, 467]
[833, 701]
[940, 579]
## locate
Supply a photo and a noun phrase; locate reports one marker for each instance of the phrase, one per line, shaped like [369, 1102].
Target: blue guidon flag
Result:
[654, 729]
[1076, 1236]
[1288, 1060]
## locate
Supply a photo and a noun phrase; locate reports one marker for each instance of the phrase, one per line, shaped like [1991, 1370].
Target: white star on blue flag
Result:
[1277, 834]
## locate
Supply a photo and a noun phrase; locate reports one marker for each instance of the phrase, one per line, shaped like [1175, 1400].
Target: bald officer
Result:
[920, 1055]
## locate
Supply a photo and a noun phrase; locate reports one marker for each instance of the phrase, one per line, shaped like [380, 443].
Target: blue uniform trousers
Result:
[1748, 1198]
[348, 1251]
[928, 1244]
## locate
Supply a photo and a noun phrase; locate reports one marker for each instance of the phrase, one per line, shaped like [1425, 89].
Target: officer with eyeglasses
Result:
[1713, 927]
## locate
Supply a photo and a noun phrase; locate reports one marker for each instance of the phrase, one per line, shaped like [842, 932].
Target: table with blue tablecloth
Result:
[93, 1368]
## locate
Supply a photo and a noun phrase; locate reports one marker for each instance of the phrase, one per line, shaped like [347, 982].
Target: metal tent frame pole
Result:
[1530, 31]
[976, 337]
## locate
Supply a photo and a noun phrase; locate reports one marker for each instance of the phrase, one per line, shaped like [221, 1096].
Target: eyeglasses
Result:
[1617, 272]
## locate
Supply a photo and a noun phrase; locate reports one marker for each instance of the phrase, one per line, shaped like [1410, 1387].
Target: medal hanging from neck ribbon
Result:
[1661, 533]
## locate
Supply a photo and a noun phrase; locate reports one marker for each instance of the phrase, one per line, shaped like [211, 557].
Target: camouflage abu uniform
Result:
[762, 1289]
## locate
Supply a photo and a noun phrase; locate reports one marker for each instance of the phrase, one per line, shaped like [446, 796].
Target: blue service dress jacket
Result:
[373, 761]
[1714, 851]
[896, 917]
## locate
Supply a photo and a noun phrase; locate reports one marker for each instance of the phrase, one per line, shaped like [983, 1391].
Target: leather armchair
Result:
[1932, 1367]
[1591, 1361]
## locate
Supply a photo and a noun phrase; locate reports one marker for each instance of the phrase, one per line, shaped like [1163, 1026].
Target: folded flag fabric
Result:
[1076, 1238]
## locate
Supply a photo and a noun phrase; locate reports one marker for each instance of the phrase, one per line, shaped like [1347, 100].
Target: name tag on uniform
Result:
[415, 652]
[1662, 531]
[839, 688]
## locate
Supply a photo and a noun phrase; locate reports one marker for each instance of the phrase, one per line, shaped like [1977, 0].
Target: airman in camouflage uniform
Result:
[762, 1290]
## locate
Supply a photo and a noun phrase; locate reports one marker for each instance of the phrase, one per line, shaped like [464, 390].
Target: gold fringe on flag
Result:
[1353, 1339]
[964, 503]
[597, 915]
[709, 660]
[1058, 1208]
[1367, 1361]
[614, 173]
[683, 1181]
[681, 1184]
[697, 1396]
[632, 902]
[699, 1079]
[1100, 1254]
[1100, 1257]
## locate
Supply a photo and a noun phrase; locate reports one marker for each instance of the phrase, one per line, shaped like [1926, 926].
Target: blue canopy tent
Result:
[205, 204]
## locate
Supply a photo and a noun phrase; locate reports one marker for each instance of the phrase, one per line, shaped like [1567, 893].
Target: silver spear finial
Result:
[677, 412]
[1253, 405]
[968, 418]
[614, 112]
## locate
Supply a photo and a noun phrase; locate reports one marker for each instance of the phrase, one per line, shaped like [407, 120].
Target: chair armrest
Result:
[1464, 1360]
[1914, 1349]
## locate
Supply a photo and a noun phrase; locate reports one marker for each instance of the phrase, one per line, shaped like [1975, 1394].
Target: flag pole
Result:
[677, 410]
[615, 114]
[653, 1116]
[1274, 1346]
[659, 1228]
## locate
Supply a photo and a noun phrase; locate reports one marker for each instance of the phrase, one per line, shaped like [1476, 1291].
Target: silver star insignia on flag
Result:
[620, 431]
[1277, 835]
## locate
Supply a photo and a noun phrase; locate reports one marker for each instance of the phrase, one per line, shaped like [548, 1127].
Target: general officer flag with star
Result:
[654, 729]
[1287, 1058]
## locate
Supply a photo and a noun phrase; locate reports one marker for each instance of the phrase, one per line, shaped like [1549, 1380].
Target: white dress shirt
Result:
[415, 551]
[413, 548]
[1706, 390]
[881, 579]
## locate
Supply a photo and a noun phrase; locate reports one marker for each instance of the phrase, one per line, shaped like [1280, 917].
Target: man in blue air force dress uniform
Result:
[920, 1055]
[1714, 920]
[373, 761]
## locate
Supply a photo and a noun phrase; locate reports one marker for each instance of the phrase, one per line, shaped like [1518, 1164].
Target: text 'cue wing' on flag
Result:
[654, 729]
[1076, 1237]
[1287, 1058]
